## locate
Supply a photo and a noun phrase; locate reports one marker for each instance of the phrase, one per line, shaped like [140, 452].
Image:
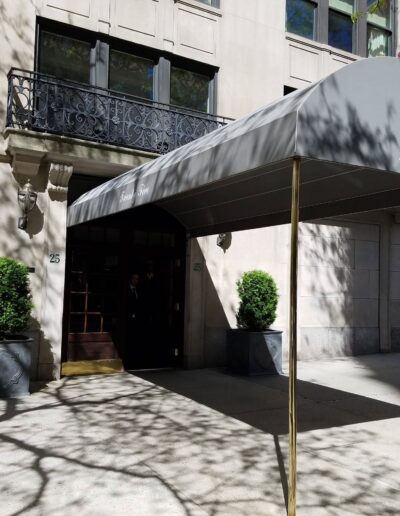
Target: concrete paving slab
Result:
[205, 443]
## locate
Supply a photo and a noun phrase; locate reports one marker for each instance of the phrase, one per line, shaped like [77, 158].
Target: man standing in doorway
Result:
[133, 341]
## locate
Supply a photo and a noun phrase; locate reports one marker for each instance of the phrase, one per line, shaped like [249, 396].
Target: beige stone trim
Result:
[28, 150]
[59, 176]
[195, 4]
[26, 163]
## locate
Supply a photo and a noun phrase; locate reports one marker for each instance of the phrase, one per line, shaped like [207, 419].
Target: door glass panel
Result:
[64, 57]
[189, 89]
[340, 31]
[108, 323]
[378, 42]
[95, 303]
[131, 74]
[300, 18]
[94, 324]
[78, 281]
[76, 323]
[96, 234]
[77, 302]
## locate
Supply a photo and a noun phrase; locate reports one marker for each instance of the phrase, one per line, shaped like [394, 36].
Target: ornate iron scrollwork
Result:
[43, 103]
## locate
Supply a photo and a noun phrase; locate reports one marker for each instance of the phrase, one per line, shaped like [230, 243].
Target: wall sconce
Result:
[27, 200]
[224, 241]
[221, 239]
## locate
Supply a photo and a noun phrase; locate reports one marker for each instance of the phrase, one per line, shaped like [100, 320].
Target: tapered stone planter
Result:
[15, 362]
[253, 352]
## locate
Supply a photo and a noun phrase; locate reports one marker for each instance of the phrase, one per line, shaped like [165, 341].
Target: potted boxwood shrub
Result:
[253, 348]
[15, 310]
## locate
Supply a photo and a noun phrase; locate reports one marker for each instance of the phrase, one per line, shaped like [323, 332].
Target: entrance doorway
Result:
[102, 256]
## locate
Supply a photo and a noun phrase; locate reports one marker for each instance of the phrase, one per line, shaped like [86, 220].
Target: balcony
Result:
[42, 103]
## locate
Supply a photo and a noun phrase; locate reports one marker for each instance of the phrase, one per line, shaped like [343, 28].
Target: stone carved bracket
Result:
[26, 164]
[59, 176]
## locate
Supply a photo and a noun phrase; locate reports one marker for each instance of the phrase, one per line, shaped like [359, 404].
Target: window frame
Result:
[200, 69]
[101, 45]
[354, 31]
[68, 31]
[360, 43]
[389, 30]
[316, 21]
[214, 3]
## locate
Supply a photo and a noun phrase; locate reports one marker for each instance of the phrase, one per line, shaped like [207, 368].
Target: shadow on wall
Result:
[30, 247]
[17, 29]
[216, 323]
[339, 289]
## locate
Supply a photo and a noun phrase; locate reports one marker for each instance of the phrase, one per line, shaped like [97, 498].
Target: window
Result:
[340, 24]
[330, 22]
[105, 62]
[131, 74]
[64, 57]
[287, 90]
[213, 3]
[379, 34]
[301, 18]
[189, 89]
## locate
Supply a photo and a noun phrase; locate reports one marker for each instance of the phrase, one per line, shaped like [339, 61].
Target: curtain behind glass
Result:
[66, 58]
[131, 74]
[378, 42]
[189, 89]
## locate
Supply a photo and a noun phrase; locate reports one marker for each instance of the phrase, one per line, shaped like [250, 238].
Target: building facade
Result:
[92, 88]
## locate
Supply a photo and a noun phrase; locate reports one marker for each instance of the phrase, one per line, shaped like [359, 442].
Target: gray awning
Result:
[346, 127]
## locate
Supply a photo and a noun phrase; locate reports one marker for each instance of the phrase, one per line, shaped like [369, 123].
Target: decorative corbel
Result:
[59, 176]
[26, 164]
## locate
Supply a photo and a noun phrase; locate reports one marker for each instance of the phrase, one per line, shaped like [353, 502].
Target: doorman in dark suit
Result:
[134, 315]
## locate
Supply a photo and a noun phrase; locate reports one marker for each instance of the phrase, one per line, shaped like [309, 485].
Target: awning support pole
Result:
[293, 338]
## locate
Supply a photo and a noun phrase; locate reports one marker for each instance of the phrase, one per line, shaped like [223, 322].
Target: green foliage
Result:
[375, 8]
[15, 297]
[259, 296]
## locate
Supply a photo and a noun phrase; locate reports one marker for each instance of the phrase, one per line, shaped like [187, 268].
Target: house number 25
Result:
[55, 258]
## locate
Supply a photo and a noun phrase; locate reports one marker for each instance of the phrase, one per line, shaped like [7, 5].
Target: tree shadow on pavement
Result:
[120, 444]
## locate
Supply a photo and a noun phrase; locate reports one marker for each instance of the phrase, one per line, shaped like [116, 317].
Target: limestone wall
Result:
[340, 272]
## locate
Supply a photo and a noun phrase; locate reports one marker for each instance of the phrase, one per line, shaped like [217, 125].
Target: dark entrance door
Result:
[92, 300]
[101, 257]
[155, 337]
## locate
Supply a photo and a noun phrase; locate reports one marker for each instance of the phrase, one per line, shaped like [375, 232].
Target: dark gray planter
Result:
[254, 352]
[15, 362]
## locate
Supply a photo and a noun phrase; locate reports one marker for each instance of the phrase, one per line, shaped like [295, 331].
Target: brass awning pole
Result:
[293, 338]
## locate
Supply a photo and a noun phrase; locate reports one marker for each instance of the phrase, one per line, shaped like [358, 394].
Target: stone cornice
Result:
[28, 150]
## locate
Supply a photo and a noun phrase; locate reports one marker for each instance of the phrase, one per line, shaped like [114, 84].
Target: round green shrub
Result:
[15, 297]
[258, 296]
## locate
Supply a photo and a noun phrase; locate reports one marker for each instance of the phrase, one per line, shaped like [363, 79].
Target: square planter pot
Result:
[15, 362]
[253, 352]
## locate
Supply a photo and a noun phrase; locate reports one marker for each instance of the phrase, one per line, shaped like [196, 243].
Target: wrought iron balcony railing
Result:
[43, 103]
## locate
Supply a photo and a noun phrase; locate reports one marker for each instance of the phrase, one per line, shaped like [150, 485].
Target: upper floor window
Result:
[340, 24]
[131, 74]
[379, 34]
[213, 3]
[301, 18]
[64, 57]
[190, 89]
[79, 55]
[331, 22]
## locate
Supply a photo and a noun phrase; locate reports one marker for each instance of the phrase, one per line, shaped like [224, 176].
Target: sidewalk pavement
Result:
[204, 442]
